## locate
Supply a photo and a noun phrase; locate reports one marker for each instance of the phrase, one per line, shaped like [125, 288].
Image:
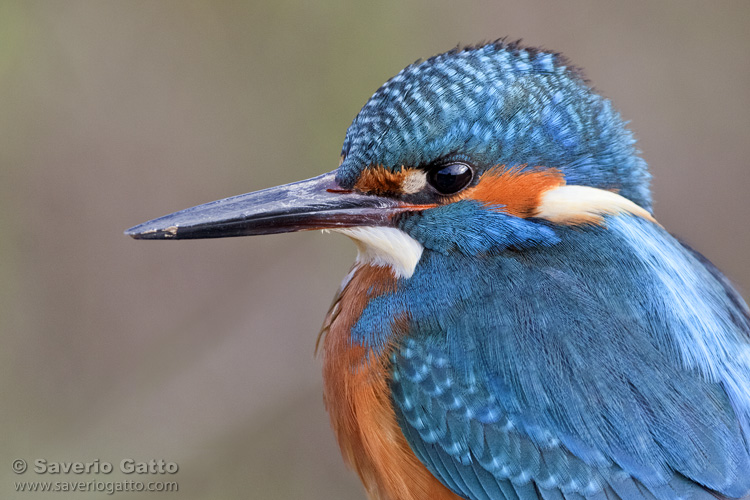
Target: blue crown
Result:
[497, 104]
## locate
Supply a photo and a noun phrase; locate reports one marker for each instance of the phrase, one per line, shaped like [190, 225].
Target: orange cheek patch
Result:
[378, 180]
[518, 191]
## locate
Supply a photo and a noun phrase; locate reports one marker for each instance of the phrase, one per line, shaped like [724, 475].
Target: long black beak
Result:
[317, 203]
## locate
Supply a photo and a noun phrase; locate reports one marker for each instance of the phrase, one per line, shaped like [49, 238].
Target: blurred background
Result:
[201, 352]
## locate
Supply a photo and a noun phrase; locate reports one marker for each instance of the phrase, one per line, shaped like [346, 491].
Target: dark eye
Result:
[451, 178]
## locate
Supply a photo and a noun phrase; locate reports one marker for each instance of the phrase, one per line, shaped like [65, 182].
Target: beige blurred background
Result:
[202, 352]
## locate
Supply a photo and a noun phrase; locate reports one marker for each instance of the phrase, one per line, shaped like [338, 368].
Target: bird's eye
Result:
[451, 178]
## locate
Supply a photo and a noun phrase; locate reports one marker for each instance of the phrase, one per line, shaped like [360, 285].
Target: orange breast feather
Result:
[358, 401]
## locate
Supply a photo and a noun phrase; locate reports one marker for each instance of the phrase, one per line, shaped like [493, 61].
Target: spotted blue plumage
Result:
[545, 361]
[564, 370]
[499, 104]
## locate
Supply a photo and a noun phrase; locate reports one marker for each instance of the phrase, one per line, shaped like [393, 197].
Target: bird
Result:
[517, 325]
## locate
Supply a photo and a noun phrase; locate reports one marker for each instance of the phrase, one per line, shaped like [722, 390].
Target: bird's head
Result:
[475, 150]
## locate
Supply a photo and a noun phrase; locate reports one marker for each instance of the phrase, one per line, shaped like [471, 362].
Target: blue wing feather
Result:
[575, 371]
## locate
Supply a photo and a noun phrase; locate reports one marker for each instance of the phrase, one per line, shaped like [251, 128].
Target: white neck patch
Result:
[385, 247]
[572, 204]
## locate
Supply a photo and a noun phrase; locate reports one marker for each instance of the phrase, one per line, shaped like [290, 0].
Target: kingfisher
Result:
[516, 325]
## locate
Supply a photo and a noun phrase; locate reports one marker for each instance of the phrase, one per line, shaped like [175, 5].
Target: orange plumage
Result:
[516, 190]
[380, 180]
[358, 400]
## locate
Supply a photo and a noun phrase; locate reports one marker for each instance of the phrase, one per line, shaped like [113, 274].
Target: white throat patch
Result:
[385, 247]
